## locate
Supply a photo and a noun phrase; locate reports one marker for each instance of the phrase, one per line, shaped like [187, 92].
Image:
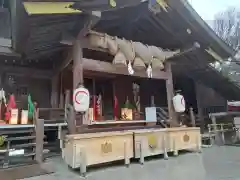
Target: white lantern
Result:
[81, 99]
[179, 103]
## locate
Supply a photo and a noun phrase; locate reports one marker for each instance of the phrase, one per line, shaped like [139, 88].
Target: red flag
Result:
[115, 111]
[11, 105]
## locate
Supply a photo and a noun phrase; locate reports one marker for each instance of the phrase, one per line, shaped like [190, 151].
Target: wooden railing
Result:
[219, 131]
[28, 144]
[17, 145]
[33, 143]
[54, 120]
[214, 109]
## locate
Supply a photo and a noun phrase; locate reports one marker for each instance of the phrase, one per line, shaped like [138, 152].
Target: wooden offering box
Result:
[82, 150]
[183, 138]
[149, 142]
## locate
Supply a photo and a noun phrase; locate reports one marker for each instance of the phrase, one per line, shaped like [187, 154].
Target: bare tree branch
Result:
[227, 27]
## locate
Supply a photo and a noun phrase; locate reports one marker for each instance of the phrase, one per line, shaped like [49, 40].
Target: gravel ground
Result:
[216, 163]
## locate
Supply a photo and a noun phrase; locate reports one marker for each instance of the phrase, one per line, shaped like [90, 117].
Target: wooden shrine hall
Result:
[130, 56]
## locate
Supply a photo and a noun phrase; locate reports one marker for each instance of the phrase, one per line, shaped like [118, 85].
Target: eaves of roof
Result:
[194, 18]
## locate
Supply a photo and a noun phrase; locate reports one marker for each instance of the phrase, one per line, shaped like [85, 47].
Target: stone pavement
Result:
[216, 163]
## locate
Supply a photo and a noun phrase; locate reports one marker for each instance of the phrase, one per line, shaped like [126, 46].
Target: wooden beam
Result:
[19, 30]
[65, 62]
[28, 72]
[91, 20]
[106, 67]
[196, 46]
[170, 94]
[6, 51]
[68, 40]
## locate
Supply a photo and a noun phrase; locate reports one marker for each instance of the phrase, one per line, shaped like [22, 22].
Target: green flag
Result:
[30, 107]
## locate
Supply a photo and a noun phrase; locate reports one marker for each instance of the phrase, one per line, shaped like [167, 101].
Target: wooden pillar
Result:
[39, 140]
[61, 93]
[192, 116]
[91, 20]
[61, 100]
[54, 93]
[170, 94]
[73, 119]
[67, 102]
[77, 64]
[77, 73]
[199, 106]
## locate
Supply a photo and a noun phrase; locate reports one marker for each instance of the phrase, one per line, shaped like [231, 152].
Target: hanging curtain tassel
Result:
[130, 69]
[149, 71]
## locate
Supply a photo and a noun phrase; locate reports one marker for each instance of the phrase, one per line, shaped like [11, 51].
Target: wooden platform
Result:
[149, 142]
[82, 150]
[183, 139]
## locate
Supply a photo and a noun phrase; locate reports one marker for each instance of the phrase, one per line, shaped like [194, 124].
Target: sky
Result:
[208, 8]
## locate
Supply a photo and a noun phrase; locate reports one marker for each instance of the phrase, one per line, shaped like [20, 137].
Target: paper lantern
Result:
[126, 114]
[81, 99]
[14, 116]
[24, 117]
